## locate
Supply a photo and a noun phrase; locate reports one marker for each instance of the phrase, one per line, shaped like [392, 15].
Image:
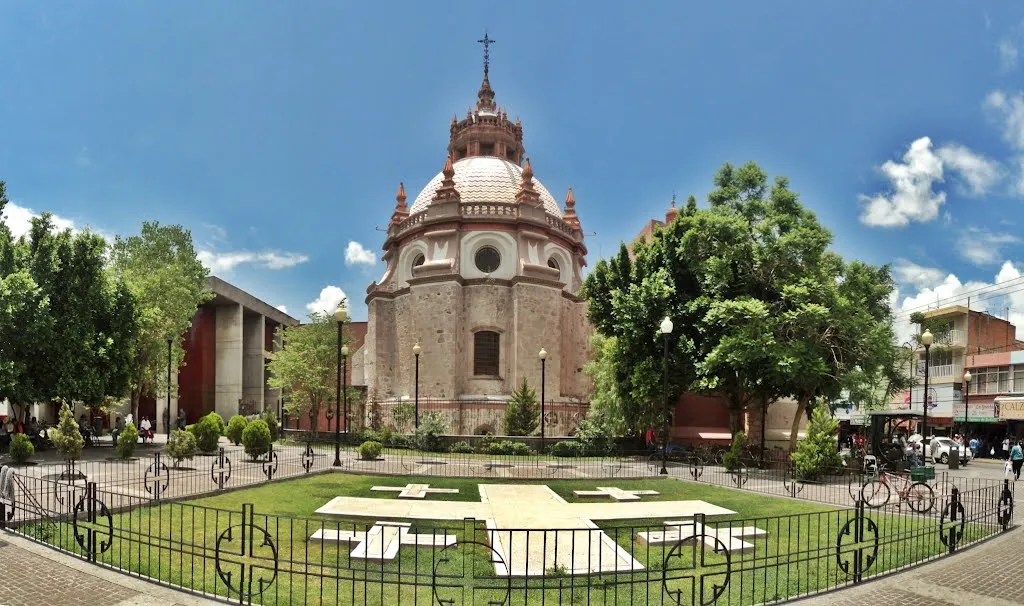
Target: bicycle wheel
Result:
[920, 497]
[876, 493]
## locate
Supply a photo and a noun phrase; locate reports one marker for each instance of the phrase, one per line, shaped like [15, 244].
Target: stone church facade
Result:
[483, 271]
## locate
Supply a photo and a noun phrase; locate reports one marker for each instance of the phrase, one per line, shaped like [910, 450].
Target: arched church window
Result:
[485, 353]
[553, 263]
[419, 260]
[487, 259]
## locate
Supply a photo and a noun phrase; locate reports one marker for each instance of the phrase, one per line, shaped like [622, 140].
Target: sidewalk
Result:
[33, 575]
[991, 574]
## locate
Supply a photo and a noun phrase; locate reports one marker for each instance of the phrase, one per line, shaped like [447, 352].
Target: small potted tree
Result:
[68, 441]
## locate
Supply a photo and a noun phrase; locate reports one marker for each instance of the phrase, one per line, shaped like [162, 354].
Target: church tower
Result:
[483, 268]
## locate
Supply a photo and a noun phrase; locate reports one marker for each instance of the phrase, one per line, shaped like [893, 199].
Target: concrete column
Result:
[252, 361]
[229, 360]
[271, 397]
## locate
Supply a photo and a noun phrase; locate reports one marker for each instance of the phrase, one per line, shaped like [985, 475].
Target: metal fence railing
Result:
[131, 517]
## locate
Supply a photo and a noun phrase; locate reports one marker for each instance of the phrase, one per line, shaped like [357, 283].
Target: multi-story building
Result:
[975, 341]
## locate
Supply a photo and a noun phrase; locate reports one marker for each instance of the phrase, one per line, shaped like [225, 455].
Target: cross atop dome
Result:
[486, 129]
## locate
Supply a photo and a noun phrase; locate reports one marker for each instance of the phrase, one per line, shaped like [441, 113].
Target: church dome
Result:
[485, 179]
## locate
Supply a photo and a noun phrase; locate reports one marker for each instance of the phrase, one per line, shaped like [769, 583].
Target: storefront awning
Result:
[1010, 409]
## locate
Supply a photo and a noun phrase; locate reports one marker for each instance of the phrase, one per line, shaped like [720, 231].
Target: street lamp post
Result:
[416, 349]
[340, 315]
[666, 330]
[926, 340]
[167, 422]
[543, 355]
[344, 383]
[967, 400]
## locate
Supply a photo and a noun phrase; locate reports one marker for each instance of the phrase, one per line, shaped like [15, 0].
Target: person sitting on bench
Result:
[116, 431]
[145, 429]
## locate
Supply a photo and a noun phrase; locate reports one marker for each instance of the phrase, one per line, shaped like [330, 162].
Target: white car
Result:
[943, 446]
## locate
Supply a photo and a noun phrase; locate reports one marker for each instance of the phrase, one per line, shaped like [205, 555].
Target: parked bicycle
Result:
[877, 491]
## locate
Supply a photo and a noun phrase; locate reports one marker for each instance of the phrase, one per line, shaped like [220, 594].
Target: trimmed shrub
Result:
[180, 445]
[370, 450]
[522, 413]
[208, 431]
[734, 457]
[270, 418]
[818, 453]
[508, 447]
[461, 447]
[65, 436]
[256, 439]
[127, 441]
[565, 448]
[428, 436]
[595, 437]
[21, 448]
[236, 426]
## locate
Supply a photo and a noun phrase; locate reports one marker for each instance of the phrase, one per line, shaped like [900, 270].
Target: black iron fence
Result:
[129, 516]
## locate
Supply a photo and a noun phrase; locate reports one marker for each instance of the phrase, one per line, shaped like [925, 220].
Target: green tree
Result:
[608, 400]
[307, 365]
[819, 452]
[65, 436]
[161, 269]
[522, 413]
[762, 310]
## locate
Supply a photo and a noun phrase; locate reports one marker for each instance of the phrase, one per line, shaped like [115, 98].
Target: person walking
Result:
[1006, 448]
[1017, 459]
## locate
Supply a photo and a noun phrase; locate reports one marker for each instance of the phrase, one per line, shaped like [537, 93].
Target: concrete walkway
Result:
[990, 574]
[34, 575]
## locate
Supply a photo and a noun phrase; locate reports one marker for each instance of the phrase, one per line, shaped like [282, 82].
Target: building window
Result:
[553, 263]
[1018, 380]
[486, 149]
[995, 379]
[487, 259]
[419, 260]
[485, 353]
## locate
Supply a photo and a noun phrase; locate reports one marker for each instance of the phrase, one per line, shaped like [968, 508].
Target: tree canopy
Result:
[307, 364]
[761, 308]
[160, 268]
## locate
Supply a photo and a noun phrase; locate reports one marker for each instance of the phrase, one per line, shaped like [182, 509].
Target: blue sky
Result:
[279, 134]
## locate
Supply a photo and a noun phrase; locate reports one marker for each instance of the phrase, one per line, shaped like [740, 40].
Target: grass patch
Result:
[177, 542]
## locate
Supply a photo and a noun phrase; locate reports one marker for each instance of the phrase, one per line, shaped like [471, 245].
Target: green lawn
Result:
[176, 542]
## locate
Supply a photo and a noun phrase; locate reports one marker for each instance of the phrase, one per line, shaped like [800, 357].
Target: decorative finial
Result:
[400, 196]
[487, 42]
[570, 211]
[527, 194]
[401, 210]
[447, 191]
[672, 212]
[570, 200]
[673, 198]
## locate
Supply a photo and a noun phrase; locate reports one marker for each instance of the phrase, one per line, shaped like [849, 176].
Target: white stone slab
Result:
[531, 528]
[615, 493]
[382, 541]
[414, 491]
[679, 531]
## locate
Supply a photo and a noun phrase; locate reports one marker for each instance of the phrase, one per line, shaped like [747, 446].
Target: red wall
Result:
[197, 379]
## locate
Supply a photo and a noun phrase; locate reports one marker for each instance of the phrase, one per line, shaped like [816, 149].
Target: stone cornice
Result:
[457, 279]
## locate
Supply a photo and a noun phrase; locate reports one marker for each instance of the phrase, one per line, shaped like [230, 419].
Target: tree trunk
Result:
[801, 406]
[136, 395]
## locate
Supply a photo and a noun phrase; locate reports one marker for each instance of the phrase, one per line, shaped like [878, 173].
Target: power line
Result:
[993, 290]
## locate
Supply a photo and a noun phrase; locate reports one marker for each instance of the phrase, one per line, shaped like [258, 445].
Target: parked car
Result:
[943, 446]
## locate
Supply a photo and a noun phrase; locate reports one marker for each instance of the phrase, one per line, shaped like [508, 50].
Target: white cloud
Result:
[19, 219]
[908, 272]
[227, 261]
[357, 254]
[912, 196]
[984, 247]
[328, 301]
[978, 172]
[1004, 292]
[282, 308]
[1008, 54]
[1008, 109]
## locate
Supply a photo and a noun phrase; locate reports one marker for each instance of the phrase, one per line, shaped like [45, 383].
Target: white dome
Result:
[485, 179]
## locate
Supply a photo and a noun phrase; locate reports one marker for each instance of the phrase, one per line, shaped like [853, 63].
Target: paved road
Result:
[990, 574]
[33, 575]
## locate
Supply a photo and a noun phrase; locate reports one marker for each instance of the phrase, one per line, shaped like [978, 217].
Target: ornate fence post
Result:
[92, 523]
[951, 525]
[157, 477]
[862, 549]
[220, 470]
[269, 464]
[1006, 505]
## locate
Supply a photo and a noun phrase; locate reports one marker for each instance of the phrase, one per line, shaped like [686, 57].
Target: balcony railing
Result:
[956, 338]
[945, 370]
